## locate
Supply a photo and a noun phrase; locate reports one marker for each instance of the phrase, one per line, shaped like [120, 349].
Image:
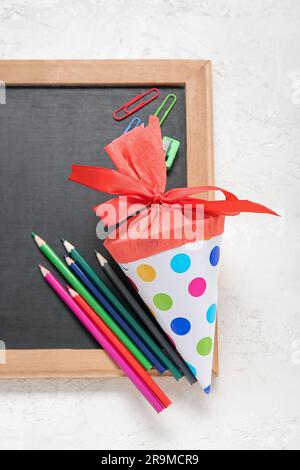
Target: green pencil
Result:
[122, 310]
[79, 287]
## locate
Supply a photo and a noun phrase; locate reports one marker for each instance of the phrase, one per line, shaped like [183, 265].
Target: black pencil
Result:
[143, 316]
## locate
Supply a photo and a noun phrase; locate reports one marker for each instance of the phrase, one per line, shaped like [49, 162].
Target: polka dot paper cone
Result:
[176, 276]
[180, 286]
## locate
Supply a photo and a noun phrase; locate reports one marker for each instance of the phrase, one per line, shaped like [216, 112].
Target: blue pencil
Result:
[115, 315]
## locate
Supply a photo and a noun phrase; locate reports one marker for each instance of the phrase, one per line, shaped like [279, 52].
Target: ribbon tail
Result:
[245, 206]
[108, 181]
[178, 194]
[226, 207]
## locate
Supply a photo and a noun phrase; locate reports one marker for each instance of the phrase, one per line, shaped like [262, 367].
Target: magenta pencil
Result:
[101, 339]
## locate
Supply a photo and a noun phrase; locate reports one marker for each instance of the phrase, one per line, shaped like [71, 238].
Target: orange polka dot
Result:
[146, 272]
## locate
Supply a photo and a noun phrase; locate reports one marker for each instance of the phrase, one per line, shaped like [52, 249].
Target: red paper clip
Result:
[125, 107]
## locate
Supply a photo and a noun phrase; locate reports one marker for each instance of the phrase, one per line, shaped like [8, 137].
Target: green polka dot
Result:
[204, 346]
[163, 301]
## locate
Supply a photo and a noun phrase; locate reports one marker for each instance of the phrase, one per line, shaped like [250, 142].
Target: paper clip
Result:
[135, 122]
[168, 110]
[124, 111]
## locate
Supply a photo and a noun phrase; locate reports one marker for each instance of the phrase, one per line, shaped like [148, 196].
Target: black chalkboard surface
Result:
[43, 130]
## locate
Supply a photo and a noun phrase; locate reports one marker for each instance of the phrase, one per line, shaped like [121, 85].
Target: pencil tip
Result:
[62, 240]
[207, 390]
[68, 246]
[72, 292]
[69, 260]
[100, 258]
[38, 240]
[43, 270]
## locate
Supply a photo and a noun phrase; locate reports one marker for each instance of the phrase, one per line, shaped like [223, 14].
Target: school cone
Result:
[180, 287]
[176, 277]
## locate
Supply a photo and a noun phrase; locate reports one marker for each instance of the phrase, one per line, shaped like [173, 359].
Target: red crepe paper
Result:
[141, 176]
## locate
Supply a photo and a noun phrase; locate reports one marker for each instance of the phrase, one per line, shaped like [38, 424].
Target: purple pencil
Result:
[101, 339]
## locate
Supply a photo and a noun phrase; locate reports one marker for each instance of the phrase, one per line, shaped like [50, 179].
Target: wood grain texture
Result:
[195, 76]
[99, 72]
[60, 363]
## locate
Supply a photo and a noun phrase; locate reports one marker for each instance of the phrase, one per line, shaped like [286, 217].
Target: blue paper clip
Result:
[132, 125]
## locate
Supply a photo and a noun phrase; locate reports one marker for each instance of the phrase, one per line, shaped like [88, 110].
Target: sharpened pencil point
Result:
[38, 240]
[101, 259]
[69, 260]
[44, 271]
[72, 292]
[68, 246]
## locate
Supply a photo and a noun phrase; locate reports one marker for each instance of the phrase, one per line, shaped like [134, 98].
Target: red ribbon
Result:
[141, 176]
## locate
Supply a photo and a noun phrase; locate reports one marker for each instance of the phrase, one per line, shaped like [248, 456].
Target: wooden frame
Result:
[195, 76]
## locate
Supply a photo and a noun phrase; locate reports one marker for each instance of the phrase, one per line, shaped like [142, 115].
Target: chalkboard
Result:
[43, 130]
[57, 113]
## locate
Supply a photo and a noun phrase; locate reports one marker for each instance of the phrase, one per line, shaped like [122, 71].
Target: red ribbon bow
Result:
[139, 158]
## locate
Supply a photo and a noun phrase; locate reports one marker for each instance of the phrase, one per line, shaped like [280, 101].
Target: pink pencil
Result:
[101, 339]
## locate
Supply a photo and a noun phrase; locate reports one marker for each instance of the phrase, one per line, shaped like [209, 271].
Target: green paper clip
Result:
[168, 110]
[171, 147]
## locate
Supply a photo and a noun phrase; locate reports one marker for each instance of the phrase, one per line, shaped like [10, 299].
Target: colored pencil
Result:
[72, 279]
[74, 253]
[114, 314]
[101, 339]
[119, 346]
[145, 318]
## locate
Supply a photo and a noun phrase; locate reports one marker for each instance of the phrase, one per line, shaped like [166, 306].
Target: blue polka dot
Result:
[192, 368]
[180, 326]
[214, 256]
[211, 313]
[180, 263]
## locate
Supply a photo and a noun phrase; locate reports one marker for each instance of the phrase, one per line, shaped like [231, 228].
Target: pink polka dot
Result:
[197, 286]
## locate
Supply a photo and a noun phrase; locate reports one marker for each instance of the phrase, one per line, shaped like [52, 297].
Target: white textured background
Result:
[254, 47]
